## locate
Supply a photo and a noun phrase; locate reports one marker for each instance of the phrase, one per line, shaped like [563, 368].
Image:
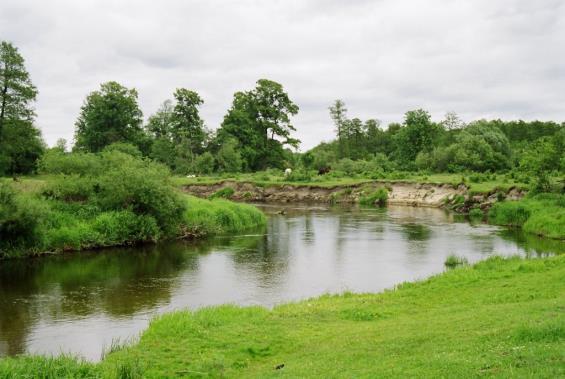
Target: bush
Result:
[56, 161]
[204, 164]
[300, 175]
[476, 213]
[126, 148]
[20, 221]
[379, 197]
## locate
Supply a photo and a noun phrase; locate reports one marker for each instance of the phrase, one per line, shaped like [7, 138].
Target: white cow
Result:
[287, 172]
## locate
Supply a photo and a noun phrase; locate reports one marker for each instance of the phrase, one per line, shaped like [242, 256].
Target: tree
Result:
[228, 157]
[186, 121]
[17, 93]
[452, 121]
[109, 115]
[417, 134]
[260, 121]
[20, 141]
[160, 124]
[338, 113]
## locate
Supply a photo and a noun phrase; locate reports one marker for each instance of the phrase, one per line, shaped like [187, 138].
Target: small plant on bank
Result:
[476, 213]
[224, 193]
[453, 261]
[379, 197]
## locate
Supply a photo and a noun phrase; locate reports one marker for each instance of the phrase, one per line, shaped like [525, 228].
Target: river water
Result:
[79, 303]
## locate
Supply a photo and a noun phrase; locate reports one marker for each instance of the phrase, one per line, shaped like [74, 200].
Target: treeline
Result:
[257, 134]
[529, 148]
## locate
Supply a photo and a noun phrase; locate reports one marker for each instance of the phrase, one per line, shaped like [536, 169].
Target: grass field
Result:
[498, 318]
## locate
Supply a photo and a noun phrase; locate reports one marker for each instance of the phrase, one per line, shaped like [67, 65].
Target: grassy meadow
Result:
[497, 318]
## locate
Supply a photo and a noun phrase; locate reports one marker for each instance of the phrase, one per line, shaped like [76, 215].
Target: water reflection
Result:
[79, 303]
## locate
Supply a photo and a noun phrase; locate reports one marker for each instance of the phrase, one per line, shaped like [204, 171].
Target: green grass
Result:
[272, 178]
[543, 215]
[378, 197]
[218, 216]
[73, 226]
[454, 261]
[498, 318]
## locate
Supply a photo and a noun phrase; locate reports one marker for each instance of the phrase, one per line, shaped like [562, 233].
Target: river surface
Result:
[79, 303]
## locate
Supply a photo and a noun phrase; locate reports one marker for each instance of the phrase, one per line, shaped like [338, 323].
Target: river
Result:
[79, 303]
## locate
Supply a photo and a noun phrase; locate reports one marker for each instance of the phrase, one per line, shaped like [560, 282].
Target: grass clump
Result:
[542, 214]
[476, 213]
[224, 193]
[453, 261]
[378, 197]
[501, 317]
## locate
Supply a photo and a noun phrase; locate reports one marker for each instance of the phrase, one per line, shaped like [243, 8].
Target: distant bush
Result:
[379, 197]
[126, 148]
[300, 175]
[55, 161]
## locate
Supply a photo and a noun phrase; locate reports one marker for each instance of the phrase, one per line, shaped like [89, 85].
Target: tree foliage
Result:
[109, 115]
[260, 121]
[20, 141]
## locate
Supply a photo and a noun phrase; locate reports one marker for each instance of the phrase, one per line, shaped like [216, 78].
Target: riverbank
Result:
[542, 215]
[500, 317]
[399, 192]
[115, 200]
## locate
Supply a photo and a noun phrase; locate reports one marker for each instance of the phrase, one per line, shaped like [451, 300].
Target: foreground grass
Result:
[501, 317]
[543, 215]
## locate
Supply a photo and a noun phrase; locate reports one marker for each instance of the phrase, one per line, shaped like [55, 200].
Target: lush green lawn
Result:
[501, 317]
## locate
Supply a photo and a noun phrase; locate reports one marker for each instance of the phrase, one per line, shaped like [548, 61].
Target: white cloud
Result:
[480, 58]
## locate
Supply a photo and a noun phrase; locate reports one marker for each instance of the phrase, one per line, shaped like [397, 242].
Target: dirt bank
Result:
[399, 193]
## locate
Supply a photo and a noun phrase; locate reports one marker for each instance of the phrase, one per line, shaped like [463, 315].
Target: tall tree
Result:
[160, 124]
[260, 121]
[338, 113]
[17, 93]
[20, 141]
[187, 124]
[417, 134]
[109, 115]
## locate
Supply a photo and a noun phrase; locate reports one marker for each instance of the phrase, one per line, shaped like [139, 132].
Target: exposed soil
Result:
[399, 193]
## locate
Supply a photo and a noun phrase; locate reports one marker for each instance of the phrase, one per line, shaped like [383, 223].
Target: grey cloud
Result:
[479, 58]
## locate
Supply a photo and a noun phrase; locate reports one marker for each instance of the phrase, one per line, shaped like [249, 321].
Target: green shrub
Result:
[476, 213]
[379, 197]
[300, 175]
[20, 221]
[58, 162]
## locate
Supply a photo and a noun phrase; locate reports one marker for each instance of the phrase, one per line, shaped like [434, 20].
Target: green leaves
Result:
[108, 115]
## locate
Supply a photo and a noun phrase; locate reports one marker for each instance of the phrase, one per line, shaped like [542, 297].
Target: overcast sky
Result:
[480, 58]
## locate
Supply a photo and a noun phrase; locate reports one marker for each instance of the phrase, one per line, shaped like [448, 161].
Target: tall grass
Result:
[542, 214]
[378, 197]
